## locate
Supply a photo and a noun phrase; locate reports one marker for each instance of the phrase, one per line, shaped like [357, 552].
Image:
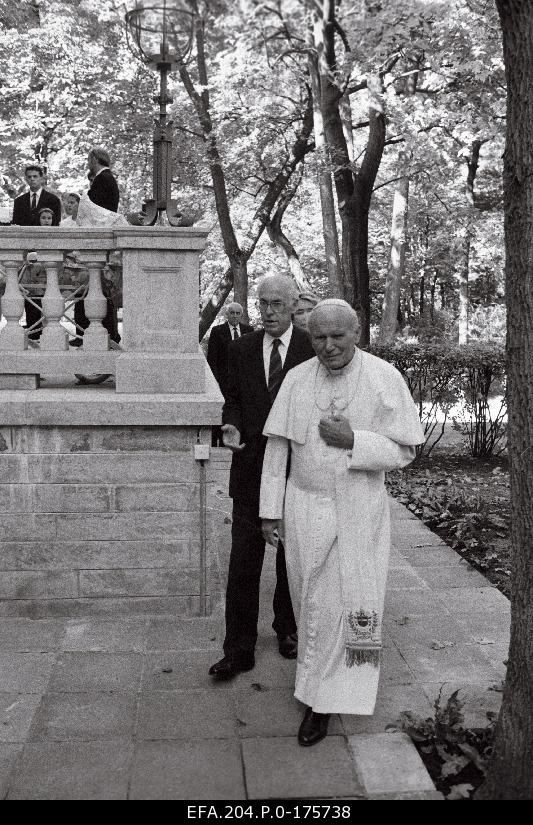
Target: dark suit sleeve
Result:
[104, 191]
[18, 212]
[232, 409]
[212, 352]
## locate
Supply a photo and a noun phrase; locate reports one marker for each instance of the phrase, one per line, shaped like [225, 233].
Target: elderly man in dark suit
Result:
[217, 351]
[104, 187]
[257, 365]
[26, 213]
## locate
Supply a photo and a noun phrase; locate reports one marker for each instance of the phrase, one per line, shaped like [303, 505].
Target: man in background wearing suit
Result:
[103, 192]
[257, 365]
[26, 213]
[217, 352]
[104, 188]
[26, 206]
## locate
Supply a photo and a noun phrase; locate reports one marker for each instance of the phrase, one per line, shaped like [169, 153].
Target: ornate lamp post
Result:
[162, 32]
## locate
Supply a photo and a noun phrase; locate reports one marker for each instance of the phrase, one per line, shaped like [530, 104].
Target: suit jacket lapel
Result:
[258, 365]
[292, 354]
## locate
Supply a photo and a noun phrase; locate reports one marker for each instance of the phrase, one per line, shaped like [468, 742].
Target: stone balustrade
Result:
[159, 350]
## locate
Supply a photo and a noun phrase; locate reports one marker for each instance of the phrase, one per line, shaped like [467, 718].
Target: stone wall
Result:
[106, 520]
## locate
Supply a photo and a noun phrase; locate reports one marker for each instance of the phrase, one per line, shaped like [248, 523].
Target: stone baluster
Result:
[54, 336]
[12, 337]
[96, 336]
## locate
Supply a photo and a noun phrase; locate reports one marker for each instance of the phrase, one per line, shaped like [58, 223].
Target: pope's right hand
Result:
[231, 438]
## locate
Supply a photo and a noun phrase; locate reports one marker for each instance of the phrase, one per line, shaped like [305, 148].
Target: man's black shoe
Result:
[227, 668]
[288, 645]
[313, 729]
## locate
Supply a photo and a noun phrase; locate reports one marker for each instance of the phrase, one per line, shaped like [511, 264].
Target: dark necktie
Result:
[235, 331]
[275, 372]
[34, 201]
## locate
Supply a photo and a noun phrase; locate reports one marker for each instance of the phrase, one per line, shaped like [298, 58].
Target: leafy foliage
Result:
[456, 757]
[467, 504]
[442, 378]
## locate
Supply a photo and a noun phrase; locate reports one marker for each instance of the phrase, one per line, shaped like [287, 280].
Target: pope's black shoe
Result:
[314, 727]
[229, 666]
[288, 645]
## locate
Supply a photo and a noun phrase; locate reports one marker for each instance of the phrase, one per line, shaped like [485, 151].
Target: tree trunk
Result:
[327, 201]
[463, 291]
[396, 268]
[472, 163]
[281, 241]
[510, 772]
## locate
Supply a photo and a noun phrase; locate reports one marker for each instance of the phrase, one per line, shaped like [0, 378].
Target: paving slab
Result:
[461, 662]
[207, 770]
[100, 635]
[180, 671]
[84, 717]
[430, 556]
[25, 672]
[414, 631]
[399, 603]
[280, 769]
[186, 634]
[16, 713]
[449, 576]
[486, 625]
[86, 672]
[272, 712]
[73, 771]
[395, 669]
[9, 755]
[186, 715]
[388, 763]
[472, 600]
[392, 700]
[405, 578]
[31, 636]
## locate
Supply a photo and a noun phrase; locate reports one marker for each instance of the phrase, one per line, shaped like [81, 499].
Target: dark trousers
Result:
[242, 594]
[32, 315]
[110, 321]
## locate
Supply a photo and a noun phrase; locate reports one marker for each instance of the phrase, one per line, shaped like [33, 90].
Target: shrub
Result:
[481, 367]
[429, 373]
[440, 377]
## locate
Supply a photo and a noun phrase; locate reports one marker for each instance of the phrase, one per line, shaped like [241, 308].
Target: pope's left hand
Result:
[336, 431]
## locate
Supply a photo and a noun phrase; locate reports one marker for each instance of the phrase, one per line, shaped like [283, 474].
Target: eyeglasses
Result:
[275, 306]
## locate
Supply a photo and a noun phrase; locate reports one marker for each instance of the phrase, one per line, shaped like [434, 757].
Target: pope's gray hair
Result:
[336, 303]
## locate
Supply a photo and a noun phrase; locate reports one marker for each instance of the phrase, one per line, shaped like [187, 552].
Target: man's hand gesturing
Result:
[336, 431]
[231, 437]
[271, 528]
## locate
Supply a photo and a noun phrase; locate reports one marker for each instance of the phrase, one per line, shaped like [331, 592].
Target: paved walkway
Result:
[101, 709]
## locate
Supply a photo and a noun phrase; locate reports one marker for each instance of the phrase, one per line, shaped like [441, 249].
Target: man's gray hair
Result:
[101, 156]
[338, 303]
[234, 305]
[283, 282]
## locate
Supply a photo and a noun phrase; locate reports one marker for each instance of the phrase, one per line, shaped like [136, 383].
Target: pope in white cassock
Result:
[346, 417]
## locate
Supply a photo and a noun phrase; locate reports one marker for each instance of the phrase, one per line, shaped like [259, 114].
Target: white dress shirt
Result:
[282, 349]
[231, 328]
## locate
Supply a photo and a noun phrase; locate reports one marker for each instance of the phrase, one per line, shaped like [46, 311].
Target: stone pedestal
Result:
[101, 495]
[160, 313]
